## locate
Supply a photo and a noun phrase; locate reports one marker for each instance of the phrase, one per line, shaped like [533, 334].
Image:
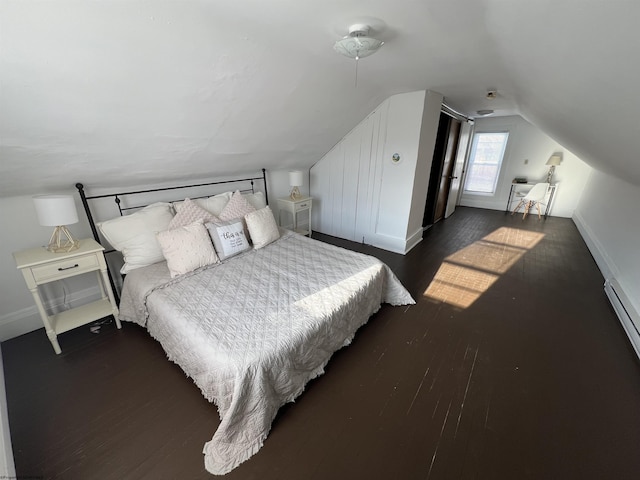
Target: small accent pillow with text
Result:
[190, 213]
[228, 238]
[187, 248]
[262, 227]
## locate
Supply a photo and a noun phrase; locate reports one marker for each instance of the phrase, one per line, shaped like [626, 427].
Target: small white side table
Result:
[302, 204]
[39, 266]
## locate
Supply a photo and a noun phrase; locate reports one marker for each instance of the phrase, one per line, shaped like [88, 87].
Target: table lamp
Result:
[57, 211]
[295, 181]
[554, 160]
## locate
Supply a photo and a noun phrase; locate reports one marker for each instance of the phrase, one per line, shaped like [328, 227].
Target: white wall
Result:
[428, 134]
[526, 142]
[608, 219]
[361, 194]
[402, 135]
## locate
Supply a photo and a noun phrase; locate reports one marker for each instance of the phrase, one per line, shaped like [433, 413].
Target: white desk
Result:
[522, 188]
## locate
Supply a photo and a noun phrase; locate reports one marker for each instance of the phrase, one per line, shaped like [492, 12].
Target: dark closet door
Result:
[444, 155]
[447, 169]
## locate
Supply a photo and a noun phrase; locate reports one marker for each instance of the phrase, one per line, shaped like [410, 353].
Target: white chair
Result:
[536, 196]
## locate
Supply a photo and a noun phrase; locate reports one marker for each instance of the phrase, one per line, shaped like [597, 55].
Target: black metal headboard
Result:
[119, 196]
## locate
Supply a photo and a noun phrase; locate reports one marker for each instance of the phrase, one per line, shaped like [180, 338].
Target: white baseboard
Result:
[386, 242]
[614, 286]
[413, 240]
[627, 312]
[27, 320]
[605, 264]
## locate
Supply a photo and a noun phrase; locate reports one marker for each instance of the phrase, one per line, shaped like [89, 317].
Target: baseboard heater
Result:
[627, 313]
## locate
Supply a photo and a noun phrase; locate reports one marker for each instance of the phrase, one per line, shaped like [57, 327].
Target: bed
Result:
[253, 329]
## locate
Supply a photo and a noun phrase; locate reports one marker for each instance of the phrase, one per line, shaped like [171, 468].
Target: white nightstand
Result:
[39, 266]
[302, 204]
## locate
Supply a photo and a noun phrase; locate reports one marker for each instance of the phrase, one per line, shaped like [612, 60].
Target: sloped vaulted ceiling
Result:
[123, 93]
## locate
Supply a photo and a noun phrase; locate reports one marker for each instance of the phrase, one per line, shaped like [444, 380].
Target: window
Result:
[487, 151]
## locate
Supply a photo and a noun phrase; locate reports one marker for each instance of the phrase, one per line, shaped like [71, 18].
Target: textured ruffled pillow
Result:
[262, 227]
[187, 248]
[135, 235]
[228, 238]
[190, 213]
[237, 207]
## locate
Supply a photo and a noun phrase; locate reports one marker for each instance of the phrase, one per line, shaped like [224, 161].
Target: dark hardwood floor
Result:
[512, 366]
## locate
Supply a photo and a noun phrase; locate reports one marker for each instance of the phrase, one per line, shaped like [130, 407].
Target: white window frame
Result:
[472, 154]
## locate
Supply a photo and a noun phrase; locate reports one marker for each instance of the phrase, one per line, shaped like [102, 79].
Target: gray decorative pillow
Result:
[228, 238]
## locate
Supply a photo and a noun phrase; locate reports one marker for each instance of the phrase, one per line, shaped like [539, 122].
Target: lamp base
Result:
[295, 193]
[62, 241]
[552, 169]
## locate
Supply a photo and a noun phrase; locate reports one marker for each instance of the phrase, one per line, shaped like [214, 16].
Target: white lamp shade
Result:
[295, 179]
[554, 159]
[55, 210]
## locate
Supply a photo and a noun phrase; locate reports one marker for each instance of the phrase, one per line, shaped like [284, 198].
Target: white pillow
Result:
[135, 235]
[228, 238]
[214, 204]
[262, 227]
[190, 213]
[187, 248]
[257, 200]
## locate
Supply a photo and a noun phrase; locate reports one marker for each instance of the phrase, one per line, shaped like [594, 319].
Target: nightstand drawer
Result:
[303, 205]
[65, 268]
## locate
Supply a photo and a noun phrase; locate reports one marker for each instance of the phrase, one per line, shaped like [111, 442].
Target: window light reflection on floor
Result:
[465, 275]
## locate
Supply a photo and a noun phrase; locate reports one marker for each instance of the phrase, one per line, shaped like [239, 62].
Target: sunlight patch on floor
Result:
[466, 274]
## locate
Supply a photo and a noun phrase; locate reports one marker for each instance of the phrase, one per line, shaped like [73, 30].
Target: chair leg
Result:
[526, 209]
[517, 206]
[538, 207]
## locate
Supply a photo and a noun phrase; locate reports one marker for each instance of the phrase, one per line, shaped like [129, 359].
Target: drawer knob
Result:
[60, 269]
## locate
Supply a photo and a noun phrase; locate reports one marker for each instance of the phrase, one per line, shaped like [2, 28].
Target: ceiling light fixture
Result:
[484, 113]
[491, 94]
[357, 44]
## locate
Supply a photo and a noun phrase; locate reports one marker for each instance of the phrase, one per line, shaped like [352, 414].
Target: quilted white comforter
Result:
[252, 331]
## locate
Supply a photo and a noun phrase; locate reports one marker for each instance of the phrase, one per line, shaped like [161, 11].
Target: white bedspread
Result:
[252, 331]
